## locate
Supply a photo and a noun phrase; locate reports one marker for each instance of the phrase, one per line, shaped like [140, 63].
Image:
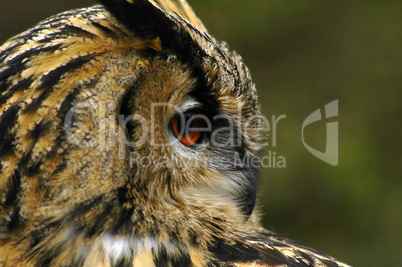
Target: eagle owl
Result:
[121, 128]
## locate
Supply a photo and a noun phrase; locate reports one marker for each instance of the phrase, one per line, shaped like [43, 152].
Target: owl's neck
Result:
[163, 227]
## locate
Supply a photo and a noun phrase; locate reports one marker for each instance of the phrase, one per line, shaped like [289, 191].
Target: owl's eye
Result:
[189, 128]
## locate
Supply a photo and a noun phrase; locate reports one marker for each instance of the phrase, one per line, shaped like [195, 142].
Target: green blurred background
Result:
[303, 55]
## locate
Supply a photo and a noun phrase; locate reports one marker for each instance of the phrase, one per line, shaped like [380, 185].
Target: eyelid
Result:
[190, 105]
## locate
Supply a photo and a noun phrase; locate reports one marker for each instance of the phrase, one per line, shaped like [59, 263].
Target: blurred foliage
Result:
[303, 55]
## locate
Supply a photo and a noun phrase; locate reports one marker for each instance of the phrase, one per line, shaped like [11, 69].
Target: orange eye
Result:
[188, 130]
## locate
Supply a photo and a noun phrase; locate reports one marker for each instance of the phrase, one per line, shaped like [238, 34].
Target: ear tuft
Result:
[147, 20]
[182, 8]
[142, 17]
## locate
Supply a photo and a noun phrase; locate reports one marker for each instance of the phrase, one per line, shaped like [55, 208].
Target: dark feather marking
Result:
[33, 167]
[59, 168]
[68, 101]
[125, 109]
[329, 263]
[10, 70]
[160, 257]
[51, 37]
[184, 260]
[15, 219]
[100, 220]
[7, 145]
[55, 22]
[3, 86]
[274, 257]
[38, 32]
[61, 31]
[60, 35]
[15, 64]
[47, 259]
[14, 187]
[123, 262]
[306, 257]
[26, 162]
[52, 78]
[40, 130]
[7, 122]
[105, 29]
[163, 259]
[123, 221]
[39, 234]
[14, 42]
[82, 208]
[234, 253]
[19, 86]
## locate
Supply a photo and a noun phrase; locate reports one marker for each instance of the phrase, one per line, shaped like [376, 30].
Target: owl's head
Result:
[127, 119]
